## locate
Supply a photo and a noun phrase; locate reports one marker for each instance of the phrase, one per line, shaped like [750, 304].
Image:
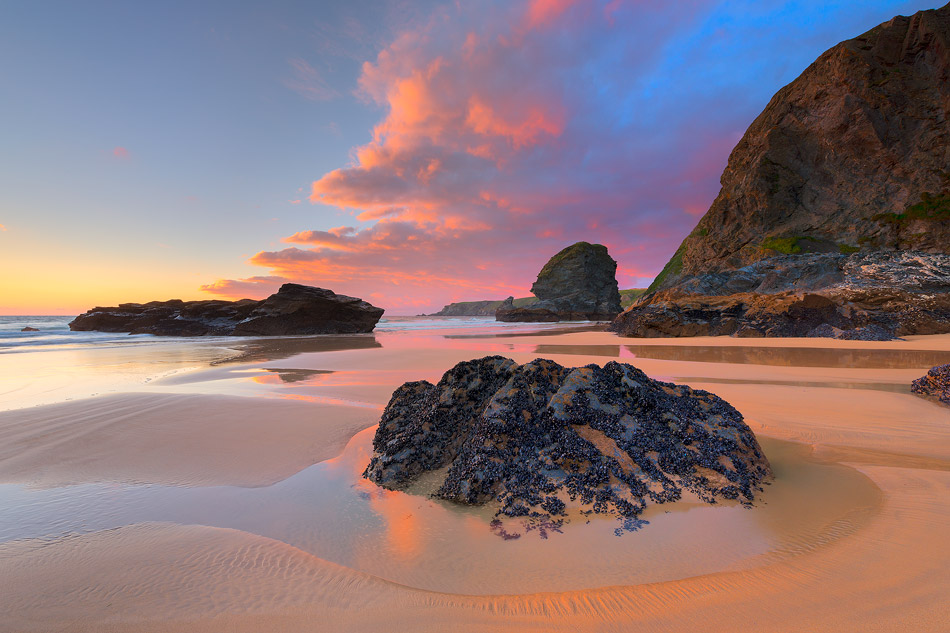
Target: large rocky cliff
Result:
[841, 157]
[851, 159]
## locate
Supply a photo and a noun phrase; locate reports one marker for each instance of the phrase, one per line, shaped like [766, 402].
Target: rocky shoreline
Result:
[877, 295]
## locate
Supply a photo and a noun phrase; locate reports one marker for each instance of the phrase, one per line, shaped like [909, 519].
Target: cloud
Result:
[542, 12]
[121, 153]
[308, 82]
[250, 288]
[514, 129]
[2, 228]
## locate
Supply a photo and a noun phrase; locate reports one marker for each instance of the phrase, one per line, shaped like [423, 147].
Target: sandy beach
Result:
[228, 498]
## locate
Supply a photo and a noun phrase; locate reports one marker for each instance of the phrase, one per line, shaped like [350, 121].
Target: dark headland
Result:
[834, 213]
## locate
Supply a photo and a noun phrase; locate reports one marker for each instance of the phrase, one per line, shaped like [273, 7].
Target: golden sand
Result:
[850, 538]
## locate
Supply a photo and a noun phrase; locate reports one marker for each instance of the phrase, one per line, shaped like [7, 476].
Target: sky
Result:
[408, 153]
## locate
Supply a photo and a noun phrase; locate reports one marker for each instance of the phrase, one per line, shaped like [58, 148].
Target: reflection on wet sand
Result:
[892, 387]
[796, 356]
[610, 351]
[776, 356]
[553, 331]
[278, 348]
[297, 375]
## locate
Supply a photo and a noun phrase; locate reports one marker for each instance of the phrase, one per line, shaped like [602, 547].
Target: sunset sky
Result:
[409, 153]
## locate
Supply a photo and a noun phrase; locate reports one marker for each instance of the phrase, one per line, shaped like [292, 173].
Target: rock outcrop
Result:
[577, 284]
[536, 437]
[292, 310]
[936, 384]
[876, 295]
[29, 329]
[849, 161]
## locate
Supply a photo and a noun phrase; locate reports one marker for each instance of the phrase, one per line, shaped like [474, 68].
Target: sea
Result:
[54, 332]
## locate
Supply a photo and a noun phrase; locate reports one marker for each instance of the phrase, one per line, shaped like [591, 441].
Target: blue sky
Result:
[152, 149]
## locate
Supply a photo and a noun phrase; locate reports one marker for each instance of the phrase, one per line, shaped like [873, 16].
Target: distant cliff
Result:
[479, 308]
[487, 308]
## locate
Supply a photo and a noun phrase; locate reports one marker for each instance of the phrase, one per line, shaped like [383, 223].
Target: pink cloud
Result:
[250, 288]
[543, 12]
[503, 141]
[121, 153]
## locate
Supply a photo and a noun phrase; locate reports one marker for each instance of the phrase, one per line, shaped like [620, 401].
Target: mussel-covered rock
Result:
[536, 437]
[936, 384]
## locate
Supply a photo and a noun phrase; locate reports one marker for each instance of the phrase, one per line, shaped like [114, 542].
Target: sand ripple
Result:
[170, 577]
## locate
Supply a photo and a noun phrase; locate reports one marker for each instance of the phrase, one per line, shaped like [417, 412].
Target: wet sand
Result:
[174, 439]
[223, 500]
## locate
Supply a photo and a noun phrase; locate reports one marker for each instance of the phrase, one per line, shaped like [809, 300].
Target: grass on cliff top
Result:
[673, 267]
[627, 297]
[565, 253]
[935, 208]
[794, 245]
[785, 245]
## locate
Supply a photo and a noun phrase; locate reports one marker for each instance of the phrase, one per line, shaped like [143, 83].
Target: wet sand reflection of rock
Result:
[263, 350]
[775, 356]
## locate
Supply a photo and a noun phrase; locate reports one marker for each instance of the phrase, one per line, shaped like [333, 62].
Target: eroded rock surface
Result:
[292, 310]
[935, 384]
[534, 438]
[577, 284]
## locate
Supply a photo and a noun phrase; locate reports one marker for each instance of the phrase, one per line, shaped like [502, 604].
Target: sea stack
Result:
[577, 284]
[834, 213]
[294, 310]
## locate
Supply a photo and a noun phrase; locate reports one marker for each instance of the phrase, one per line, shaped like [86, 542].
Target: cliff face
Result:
[840, 158]
[834, 213]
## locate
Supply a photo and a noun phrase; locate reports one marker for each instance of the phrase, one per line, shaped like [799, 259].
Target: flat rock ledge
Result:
[935, 384]
[294, 310]
[536, 438]
[875, 296]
